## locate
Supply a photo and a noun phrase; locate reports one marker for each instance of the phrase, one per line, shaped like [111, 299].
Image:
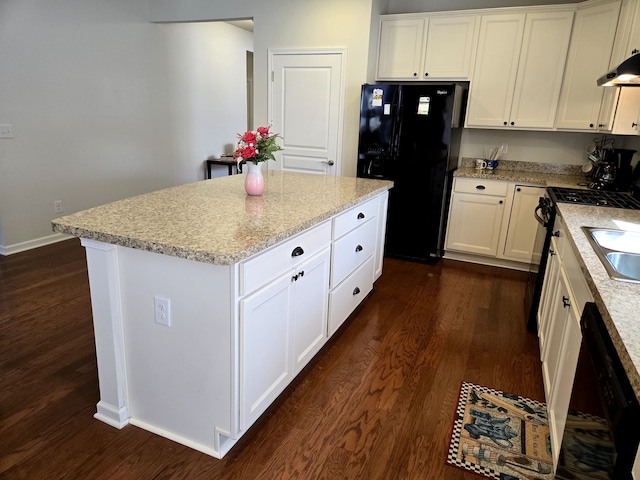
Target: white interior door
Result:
[306, 105]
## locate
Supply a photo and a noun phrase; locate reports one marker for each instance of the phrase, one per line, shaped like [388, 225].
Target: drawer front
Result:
[266, 266]
[480, 186]
[351, 250]
[347, 296]
[354, 217]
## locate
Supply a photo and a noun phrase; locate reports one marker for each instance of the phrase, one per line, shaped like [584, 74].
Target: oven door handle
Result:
[540, 220]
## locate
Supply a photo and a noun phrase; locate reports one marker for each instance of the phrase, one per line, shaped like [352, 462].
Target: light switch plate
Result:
[6, 130]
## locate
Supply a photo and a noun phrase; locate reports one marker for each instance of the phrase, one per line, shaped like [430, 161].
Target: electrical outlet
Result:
[162, 311]
[6, 130]
[57, 206]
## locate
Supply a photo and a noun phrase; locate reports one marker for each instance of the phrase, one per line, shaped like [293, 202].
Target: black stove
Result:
[598, 198]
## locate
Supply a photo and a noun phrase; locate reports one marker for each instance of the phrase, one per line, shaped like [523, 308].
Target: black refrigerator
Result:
[411, 134]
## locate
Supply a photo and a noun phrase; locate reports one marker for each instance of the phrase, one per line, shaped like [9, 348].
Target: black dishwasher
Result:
[602, 430]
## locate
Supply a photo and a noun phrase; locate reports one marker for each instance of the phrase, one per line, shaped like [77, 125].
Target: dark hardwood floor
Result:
[376, 403]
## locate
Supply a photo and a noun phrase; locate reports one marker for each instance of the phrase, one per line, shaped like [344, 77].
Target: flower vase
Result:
[254, 181]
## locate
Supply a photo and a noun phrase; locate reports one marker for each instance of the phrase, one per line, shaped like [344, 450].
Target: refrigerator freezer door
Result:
[378, 130]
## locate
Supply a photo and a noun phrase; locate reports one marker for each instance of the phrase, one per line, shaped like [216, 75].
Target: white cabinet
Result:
[522, 228]
[581, 100]
[475, 216]
[400, 48]
[518, 69]
[356, 257]
[493, 218]
[419, 47]
[627, 115]
[564, 295]
[282, 326]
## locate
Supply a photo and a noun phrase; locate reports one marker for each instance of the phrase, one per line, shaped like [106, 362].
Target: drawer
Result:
[354, 217]
[347, 296]
[351, 250]
[577, 282]
[481, 187]
[264, 267]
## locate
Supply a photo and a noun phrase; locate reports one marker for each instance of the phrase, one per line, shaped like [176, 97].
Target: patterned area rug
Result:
[501, 436]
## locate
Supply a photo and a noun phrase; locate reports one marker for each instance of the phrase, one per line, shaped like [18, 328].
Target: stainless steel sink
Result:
[618, 250]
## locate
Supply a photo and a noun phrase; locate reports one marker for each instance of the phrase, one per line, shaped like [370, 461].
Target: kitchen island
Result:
[208, 302]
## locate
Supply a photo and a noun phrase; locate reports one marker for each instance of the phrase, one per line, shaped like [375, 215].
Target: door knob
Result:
[328, 162]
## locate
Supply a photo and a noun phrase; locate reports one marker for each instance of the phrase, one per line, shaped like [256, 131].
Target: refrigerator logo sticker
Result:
[442, 92]
[423, 105]
[376, 101]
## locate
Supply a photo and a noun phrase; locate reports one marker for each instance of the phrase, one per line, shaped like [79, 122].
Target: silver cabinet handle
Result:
[328, 162]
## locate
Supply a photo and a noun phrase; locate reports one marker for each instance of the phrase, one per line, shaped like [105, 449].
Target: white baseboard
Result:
[490, 261]
[35, 243]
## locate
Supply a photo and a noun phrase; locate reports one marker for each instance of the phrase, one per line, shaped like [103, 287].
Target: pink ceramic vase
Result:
[254, 181]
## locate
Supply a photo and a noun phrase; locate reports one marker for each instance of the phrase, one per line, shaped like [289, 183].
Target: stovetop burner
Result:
[598, 198]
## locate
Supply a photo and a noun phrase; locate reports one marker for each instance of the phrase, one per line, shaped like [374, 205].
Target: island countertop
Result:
[215, 221]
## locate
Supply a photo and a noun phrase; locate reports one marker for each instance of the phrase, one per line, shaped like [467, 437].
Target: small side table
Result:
[229, 162]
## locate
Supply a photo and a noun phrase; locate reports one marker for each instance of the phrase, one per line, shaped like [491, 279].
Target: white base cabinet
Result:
[492, 219]
[282, 326]
[565, 293]
[238, 333]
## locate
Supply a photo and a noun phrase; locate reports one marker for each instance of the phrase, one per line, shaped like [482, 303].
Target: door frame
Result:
[342, 51]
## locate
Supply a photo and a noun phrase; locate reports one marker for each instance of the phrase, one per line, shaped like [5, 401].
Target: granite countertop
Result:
[538, 178]
[618, 302]
[215, 221]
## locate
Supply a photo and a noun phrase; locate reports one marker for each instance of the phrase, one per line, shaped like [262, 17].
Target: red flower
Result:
[249, 138]
[247, 152]
[263, 131]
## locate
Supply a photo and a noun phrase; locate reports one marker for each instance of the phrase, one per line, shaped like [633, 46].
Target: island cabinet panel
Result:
[265, 266]
[178, 377]
[352, 250]
[347, 296]
[282, 326]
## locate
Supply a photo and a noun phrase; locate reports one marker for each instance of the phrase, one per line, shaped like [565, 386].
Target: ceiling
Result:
[244, 24]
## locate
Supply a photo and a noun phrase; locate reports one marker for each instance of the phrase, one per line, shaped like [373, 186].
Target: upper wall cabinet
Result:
[430, 47]
[518, 70]
[581, 100]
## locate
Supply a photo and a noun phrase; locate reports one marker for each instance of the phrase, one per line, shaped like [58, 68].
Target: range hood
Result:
[627, 74]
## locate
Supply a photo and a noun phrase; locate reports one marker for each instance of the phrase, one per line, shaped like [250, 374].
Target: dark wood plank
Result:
[377, 402]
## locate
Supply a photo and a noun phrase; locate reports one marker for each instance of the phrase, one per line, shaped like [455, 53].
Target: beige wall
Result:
[288, 24]
[105, 105]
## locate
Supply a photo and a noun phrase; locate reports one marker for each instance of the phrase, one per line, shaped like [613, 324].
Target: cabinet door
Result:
[540, 69]
[558, 404]
[400, 49]
[310, 308]
[589, 55]
[265, 347]
[450, 47]
[627, 112]
[495, 70]
[546, 298]
[474, 223]
[521, 234]
[560, 308]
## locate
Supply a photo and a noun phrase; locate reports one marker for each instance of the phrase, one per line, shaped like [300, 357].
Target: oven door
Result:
[601, 433]
[544, 215]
